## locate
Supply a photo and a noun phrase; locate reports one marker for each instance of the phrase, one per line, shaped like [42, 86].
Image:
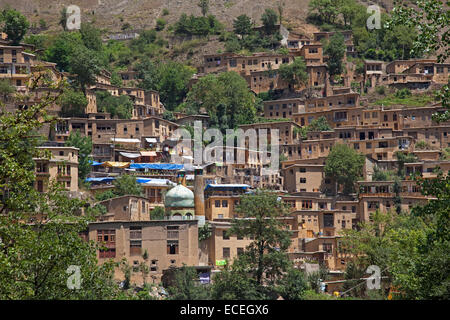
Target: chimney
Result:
[181, 177]
[199, 199]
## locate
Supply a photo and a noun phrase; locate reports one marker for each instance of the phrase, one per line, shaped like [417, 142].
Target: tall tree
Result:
[40, 243]
[344, 165]
[261, 218]
[170, 79]
[186, 285]
[73, 104]
[431, 18]
[84, 144]
[269, 20]
[91, 37]
[225, 97]
[294, 73]
[15, 25]
[327, 9]
[127, 185]
[242, 25]
[85, 66]
[335, 50]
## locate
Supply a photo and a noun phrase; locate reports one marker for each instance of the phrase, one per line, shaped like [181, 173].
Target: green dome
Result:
[180, 197]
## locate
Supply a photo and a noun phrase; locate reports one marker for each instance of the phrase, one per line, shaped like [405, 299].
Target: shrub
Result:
[403, 93]
[160, 24]
[381, 90]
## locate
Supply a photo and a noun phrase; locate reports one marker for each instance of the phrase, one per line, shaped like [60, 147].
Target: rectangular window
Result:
[225, 253]
[302, 180]
[240, 251]
[225, 235]
[172, 246]
[135, 247]
[217, 203]
[225, 203]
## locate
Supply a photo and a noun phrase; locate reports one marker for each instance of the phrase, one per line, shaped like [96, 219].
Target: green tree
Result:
[225, 97]
[73, 104]
[127, 185]
[269, 20]
[327, 9]
[187, 286]
[62, 48]
[160, 24]
[170, 79]
[319, 124]
[242, 25]
[15, 25]
[265, 259]
[157, 213]
[431, 18]
[348, 10]
[76, 140]
[233, 283]
[403, 158]
[294, 73]
[120, 106]
[91, 37]
[344, 165]
[85, 66]
[6, 89]
[293, 285]
[35, 256]
[335, 50]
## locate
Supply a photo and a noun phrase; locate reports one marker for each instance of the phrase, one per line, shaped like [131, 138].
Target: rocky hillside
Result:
[111, 15]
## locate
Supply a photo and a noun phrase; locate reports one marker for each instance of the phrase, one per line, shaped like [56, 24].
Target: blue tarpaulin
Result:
[95, 163]
[226, 187]
[156, 166]
[104, 179]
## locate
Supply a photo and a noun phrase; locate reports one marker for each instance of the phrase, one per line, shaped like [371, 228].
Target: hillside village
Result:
[377, 111]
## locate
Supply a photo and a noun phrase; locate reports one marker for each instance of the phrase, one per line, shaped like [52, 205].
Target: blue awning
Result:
[104, 179]
[95, 163]
[156, 166]
[143, 180]
[226, 187]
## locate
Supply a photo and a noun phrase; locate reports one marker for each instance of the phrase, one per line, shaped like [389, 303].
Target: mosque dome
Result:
[179, 197]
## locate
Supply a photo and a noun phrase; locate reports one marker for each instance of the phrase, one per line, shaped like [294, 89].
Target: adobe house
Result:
[168, 244]
[126, 208]
[61, 167]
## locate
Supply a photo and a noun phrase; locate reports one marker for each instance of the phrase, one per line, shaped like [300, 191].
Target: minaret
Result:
[199, 199]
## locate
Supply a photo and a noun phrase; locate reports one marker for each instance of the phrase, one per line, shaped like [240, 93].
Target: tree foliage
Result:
[294, 73]
[73, 104]
[335, 50]
[170, 79]
[15, 25]
[120, 106]
[84, 144]
[262, 215]
[225, 97]
[127, 185]
[40, 232]
[344, 165]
